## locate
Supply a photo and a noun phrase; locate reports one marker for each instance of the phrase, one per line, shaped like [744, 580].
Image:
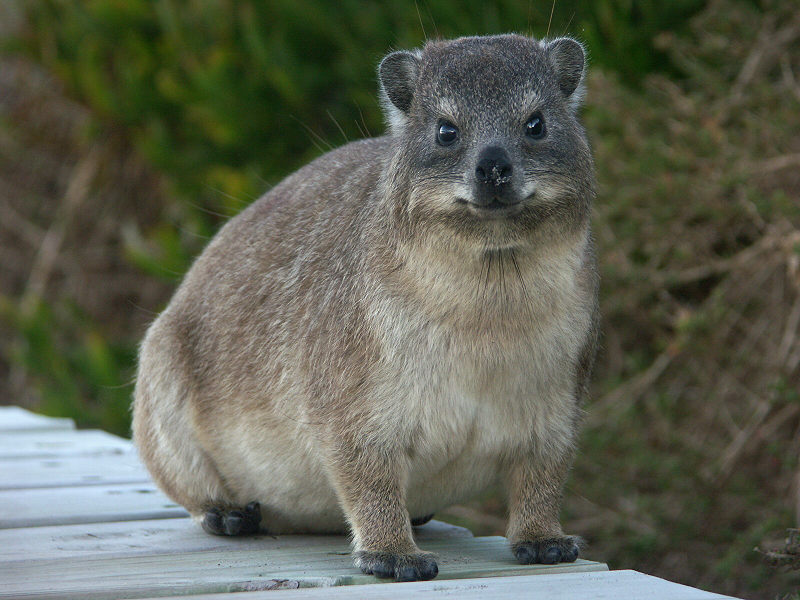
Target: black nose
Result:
[494, 167]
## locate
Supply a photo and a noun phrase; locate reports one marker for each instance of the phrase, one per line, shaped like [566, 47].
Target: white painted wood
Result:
[40, 507]
[51, 474]
[51, 444]
[162, 536]
[22, 473]
[601, 585]
[15, 418]
[323, 563]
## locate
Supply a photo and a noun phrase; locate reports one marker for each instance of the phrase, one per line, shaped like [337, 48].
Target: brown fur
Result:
[359, 348]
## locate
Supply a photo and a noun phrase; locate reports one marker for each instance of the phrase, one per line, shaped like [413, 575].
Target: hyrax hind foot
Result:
[548, 551]
[419, 566]
[233, 522]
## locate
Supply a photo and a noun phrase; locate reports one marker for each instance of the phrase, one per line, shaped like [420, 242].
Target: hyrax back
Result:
[397, 325]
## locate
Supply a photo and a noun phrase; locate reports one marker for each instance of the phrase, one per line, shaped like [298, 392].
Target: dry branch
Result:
[776, 163]
[624, 396]
[77, 191]
[766, 51]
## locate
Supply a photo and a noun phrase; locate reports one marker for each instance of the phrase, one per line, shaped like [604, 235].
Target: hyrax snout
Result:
[493, 179]
[397, 326]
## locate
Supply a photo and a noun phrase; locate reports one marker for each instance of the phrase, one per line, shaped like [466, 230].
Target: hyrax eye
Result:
[447, 133]
[534, 128]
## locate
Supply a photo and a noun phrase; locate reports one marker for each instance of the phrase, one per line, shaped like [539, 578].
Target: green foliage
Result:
[164, 253]
[225, 95]
[73, 366]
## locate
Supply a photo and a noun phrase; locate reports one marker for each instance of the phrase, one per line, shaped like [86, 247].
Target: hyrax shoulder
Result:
[398, 324]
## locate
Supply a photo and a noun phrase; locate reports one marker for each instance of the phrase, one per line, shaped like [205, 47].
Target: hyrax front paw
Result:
[548, 551]
[419, 566]
[245, 521]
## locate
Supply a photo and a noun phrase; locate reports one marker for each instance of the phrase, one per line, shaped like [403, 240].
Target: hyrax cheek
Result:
[549, 190]
[529, 188]
[435, 197]
[462, 191]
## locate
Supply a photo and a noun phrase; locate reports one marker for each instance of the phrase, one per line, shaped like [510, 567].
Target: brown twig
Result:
[75, 195]
[626, 394]
[776, 163]
[797, 498]
[774, 238]
[737, 447]
[628, 514]
[790, 335]
[767, 49]
[788, 76]
[12, 221]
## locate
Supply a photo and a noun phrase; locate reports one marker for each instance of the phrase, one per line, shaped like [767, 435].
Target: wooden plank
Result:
[51, 444]
[163, 536]
[26, 473]
[601, 585]
[40, 507]
[325, 561]
[51, 474]
[15, 418]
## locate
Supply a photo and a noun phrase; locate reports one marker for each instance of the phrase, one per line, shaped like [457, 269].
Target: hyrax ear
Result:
[569, 60]
[398, 77]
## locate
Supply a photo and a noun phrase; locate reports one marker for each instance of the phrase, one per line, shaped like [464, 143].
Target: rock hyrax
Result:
[398, 325]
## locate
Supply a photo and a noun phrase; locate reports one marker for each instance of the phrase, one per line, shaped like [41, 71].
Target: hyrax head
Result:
[488, 137]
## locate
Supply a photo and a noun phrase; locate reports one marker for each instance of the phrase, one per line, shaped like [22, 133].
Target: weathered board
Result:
[85, 521]
[84, 504]
[324, 561]
[14, 418]
[162, 536]
[602, 585]
[21, 473]
[60, 443]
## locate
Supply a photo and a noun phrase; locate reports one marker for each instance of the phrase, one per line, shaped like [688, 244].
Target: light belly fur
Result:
[457, 415]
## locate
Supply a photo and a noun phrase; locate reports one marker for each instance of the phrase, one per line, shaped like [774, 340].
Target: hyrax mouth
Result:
[494, 209]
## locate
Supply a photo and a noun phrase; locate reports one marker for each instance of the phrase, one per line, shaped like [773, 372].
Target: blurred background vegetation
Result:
[130, 130]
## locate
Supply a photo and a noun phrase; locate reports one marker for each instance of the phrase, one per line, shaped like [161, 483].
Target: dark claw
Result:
[551, 556]
[400, 567]
[526, 554]
[212, 522]
[233, 522]
[571, 555]
[383, 568]
[252, 520]
[547, 551]
[406, 573]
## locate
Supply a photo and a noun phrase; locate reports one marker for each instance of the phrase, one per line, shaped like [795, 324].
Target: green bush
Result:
[690, 446]
[228, 96]
[77, 371]
[224, 98]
